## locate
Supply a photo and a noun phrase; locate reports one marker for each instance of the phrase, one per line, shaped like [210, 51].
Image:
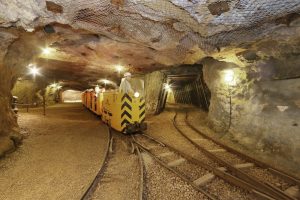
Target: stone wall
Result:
[153, 85]
[26, 91]
[264, 101]
[16, 53]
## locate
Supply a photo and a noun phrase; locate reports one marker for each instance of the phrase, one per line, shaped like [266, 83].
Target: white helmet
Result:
[127, 74]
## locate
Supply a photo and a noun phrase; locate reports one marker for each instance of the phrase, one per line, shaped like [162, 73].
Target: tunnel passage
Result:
[71, 96]
[250, 52]
[185, 88]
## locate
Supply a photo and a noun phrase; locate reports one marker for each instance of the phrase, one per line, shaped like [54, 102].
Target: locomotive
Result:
[121, 111]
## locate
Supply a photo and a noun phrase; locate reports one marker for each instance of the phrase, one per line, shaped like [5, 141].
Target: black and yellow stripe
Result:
[142, 110]
[126, 109]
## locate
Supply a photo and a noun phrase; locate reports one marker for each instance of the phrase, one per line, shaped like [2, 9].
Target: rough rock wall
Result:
[169, 32]
[153, 85]
[265, 104]
[16, 53]
[51, 95]
[26, 91]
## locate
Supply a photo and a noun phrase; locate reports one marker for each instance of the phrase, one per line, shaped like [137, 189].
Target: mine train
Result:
[120, 111]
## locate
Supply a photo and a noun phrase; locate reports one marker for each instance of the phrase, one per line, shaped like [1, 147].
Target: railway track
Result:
[91, 189]
[213, 183]
[269, 182]
[119, 158]
[142, 178]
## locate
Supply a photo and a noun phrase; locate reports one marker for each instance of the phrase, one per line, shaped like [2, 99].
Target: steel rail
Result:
[259, 186]
[218, 172]
[92, 187]
[179, 174]
[142, 178]
[288, 178]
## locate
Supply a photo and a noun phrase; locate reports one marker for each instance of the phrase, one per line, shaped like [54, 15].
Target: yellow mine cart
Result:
[94, 102]
[99, 104]
[89, 99]
[83, 98]
[124, 112]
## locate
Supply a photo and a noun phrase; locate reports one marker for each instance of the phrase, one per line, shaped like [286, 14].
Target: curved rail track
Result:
[91, 189]
[196, 173]
[269, 182]
[141, 187]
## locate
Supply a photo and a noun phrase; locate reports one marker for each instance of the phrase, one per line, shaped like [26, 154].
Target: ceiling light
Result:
[229, 77]
[53, 85]
[33, 70]
[105, 81]
[119, 68]
[47, 51]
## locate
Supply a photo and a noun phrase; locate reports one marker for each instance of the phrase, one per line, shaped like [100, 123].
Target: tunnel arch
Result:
[71, 96]
[185, 87]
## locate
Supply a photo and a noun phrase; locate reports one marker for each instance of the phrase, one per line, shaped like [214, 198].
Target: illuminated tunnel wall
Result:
[71, 96]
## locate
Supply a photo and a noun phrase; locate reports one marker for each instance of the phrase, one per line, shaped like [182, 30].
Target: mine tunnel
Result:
[156, 99]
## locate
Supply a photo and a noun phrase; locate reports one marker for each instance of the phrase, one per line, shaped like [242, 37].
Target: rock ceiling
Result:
[90, 37]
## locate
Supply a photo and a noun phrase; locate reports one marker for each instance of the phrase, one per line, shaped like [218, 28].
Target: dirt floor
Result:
[59, 158]
[63, 152]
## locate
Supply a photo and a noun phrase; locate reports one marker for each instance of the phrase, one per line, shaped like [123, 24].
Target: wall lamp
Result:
[229, 77]
[167, 87]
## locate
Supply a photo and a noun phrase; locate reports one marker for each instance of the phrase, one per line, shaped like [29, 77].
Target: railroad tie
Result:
[238, 166]
[166, 154]
[199, 139]
[217, 150]
[204, 179]
[244, 165]
[176, 162]
[223, 169]
[111, 145]
[153, 147]
[293, 191]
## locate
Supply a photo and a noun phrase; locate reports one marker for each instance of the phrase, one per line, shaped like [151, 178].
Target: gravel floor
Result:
[59, 158]
[228, 192]
[121, 179]
[265, 176]
[173, 138]
[164, 185]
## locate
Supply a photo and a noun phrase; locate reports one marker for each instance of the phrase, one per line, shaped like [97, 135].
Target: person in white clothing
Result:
[125, 85]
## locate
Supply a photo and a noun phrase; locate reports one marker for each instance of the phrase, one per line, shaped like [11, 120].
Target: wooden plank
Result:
[217, 150]
[204, 179]
[176, 162]
[244, 165]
